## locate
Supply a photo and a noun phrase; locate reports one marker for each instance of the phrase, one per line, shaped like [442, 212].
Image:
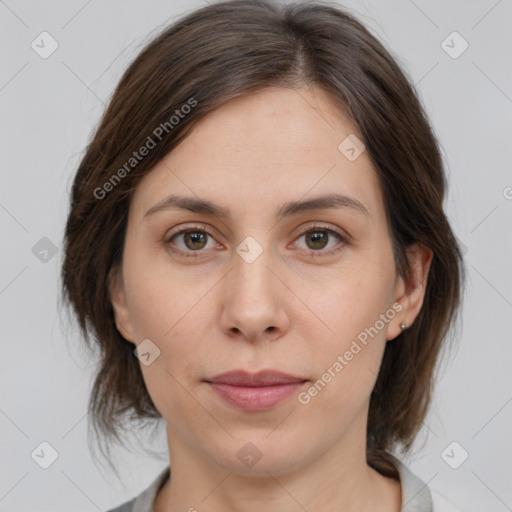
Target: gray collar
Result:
[416, 495]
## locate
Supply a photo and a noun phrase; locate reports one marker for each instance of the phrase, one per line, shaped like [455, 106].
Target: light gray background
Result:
[48, 109]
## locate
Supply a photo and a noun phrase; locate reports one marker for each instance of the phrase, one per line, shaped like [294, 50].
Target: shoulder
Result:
[125, 507]
[417, 496]
[441, 504]
[145, 500]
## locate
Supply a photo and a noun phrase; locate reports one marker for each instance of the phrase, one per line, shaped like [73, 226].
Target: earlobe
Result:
[410, 294]
[119, 304]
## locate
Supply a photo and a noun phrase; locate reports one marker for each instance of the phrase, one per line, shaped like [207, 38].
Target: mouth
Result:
[255, 391]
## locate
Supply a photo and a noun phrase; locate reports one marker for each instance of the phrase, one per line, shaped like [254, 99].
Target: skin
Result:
[285, 310]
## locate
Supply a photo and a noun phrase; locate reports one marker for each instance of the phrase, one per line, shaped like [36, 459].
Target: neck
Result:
[339, 479]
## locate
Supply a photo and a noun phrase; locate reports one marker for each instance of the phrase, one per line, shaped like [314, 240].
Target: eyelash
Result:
[312, 253]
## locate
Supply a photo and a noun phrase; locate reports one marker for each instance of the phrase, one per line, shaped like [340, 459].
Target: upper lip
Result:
[261, 378]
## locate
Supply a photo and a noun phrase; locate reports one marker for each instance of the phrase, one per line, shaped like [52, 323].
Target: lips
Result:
[261, 378]
[255, 391]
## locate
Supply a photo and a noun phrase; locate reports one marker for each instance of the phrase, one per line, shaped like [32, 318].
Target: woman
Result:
[258, 247]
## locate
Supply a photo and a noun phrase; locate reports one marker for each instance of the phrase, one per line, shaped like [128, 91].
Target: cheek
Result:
[160, 299]
[352, 303]
[175, 313]
[177, 323]
[357, 311]
[347, 366]
[171, 321]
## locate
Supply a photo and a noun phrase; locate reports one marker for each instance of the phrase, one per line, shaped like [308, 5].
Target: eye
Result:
[193, 240]
[318, 238]
[189, 241]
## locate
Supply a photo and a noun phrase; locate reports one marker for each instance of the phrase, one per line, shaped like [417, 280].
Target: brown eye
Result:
[195, 240]
[190, 242]
[317, 239]
[322, 241]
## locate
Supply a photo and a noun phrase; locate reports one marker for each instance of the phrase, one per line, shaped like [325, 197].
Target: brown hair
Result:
[221, 52]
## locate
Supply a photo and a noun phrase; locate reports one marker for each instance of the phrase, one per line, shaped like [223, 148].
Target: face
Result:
[261, 285]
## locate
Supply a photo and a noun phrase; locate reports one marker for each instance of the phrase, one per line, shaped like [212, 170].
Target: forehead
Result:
[266, 148]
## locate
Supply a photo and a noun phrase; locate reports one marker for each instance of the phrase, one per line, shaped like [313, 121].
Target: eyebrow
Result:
[288, 209]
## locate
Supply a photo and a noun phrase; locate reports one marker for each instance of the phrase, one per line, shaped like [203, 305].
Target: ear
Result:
[119, 304]
[410, 294]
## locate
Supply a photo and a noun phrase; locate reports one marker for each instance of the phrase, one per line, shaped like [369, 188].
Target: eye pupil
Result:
[195, 237]
[316, 237]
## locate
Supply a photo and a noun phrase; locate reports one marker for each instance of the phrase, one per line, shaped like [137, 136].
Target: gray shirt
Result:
[416, 496]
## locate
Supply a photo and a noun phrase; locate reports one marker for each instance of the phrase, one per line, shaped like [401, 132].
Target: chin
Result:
[260, 456]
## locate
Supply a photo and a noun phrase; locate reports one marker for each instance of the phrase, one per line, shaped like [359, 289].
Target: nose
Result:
[253, 295]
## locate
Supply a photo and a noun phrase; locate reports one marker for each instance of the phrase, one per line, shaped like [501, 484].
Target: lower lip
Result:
[255, 398]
